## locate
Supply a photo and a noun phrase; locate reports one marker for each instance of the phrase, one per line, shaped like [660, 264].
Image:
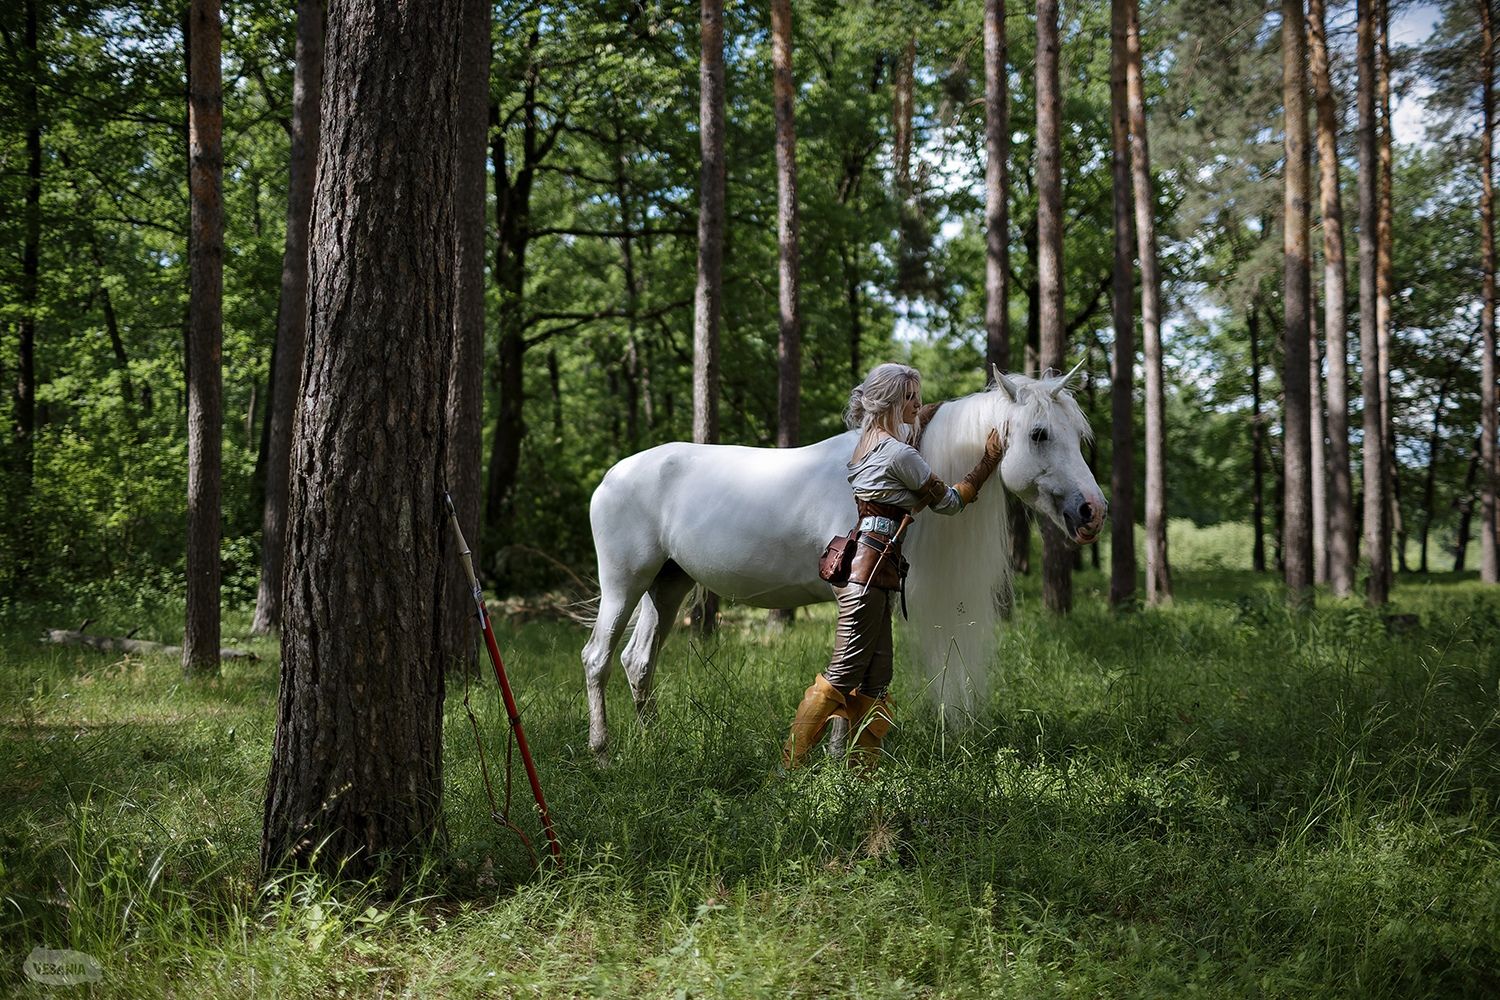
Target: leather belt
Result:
[880, 525]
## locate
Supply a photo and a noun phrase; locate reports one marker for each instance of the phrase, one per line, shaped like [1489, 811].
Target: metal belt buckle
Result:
[878, 524]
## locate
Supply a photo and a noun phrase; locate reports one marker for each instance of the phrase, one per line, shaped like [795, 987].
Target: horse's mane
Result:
[961, 568]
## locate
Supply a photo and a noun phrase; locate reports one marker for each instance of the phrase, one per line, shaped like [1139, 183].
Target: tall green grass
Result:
[1216, 798]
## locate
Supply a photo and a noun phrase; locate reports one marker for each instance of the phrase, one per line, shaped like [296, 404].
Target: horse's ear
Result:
[1006, 385]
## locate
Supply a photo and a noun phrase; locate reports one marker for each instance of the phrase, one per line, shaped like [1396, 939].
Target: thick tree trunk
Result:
[465, 411]
[996, 190]
[708, 301]
[1122, 299]
[1297, 541]
[1257, 446]
[291, 320]
[1384, 278]
[1057, 571]
[200, 641]
[1489, 529]
[1342, 544]
[1158, 568]
[356, 767]
[1377, 546]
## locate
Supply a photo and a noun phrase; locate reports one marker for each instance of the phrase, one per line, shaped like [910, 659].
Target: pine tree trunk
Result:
[1384, 281]
[1429, 485]
[465, 409]
[1317, 441]
[356, 765]
[1297, 541]
[291, 319]
[24, 398]
[1465, 504]
[789, 339]
[1257, 446]
[1057, 572]
[1489, 528]
[1376, 545]
[708, 299]
[513, 236]
[1341, 537]
[996, 190]
[200, 641]
[1158, 568]
[1122, 299]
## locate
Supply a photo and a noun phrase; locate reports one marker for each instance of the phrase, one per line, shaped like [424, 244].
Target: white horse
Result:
[749, 524]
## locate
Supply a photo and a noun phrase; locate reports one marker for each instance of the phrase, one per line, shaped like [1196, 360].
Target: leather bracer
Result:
[968, 487]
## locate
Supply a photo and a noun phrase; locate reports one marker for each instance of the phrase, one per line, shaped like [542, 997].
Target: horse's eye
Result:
[1039, 435]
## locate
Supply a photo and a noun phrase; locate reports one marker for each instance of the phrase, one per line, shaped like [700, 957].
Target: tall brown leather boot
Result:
[869, 720]
[819, 703]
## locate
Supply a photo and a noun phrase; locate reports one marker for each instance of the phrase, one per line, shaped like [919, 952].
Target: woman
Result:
[891, 480]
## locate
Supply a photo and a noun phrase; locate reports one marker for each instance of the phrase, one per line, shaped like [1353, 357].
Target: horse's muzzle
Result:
[1084, 517]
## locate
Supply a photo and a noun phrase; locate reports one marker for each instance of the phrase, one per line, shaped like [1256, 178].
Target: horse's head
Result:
[1044, 466]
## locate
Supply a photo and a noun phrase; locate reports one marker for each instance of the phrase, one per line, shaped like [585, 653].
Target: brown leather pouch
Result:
[890, 572]
[838, 558]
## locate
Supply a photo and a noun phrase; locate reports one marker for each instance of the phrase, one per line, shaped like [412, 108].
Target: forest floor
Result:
[1215, 798]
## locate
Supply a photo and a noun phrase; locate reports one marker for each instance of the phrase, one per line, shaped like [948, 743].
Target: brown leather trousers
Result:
[862, 644]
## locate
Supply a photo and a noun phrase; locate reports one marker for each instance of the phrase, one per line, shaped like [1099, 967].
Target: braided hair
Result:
[876, 404]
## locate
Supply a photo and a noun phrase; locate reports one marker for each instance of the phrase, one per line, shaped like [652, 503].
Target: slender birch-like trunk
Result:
[1158, 568]
[709, 296]
[1376, 545]
[996, 190]
[1341, 536]
[200, 640]
[1122, 300]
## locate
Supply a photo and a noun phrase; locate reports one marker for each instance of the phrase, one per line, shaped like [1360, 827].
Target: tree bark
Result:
[708, 299]
[1122, 299]
[24, 395]
[1465, 505]
[1384, 280]
[356, 767]
[200, 641]
[1158, 568]
[1297, 527]
[996, 190]
[789, 342]
[789, 339]
[513, 185]
[1257, 446]
[291, 320]
[1342, 544]
[465, 412]
[1489, 529]
[1317, 436]
[1057, 570]
[1377, 546]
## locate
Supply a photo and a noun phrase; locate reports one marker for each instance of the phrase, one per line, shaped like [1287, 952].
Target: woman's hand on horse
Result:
[992, 447]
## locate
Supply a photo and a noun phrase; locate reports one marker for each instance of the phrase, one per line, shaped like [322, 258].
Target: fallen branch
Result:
[140, 647]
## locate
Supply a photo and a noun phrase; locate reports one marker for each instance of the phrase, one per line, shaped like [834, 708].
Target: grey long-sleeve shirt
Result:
[893, 472]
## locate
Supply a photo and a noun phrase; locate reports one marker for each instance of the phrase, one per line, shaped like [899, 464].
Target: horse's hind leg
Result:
[620, 589]
[657, 615]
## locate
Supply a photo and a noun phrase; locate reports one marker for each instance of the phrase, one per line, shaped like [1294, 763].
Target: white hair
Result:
[961, 570]
[877, 402]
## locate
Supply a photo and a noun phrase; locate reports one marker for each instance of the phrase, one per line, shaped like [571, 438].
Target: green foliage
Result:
[1219, 797]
